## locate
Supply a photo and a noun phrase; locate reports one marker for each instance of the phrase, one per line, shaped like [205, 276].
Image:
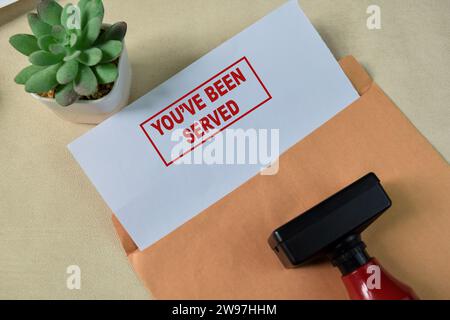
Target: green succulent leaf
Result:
[72, 56]
[68, 72]
[90, 57]
[45, 58]
[115, 32]
[39, 27]
[82, 5]
[66, 95]
[91, 9]
[45, 41]
[85, 82]
[49, 11]
[73, 40]
[58, 32]
[111, 50]
[43, 81]
[26, 73]
[106, 73]
[94, 8]
[90, 32]
[57, 49]
[24, 43]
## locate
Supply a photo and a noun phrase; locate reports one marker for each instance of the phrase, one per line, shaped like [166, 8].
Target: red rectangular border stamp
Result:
[269, 97]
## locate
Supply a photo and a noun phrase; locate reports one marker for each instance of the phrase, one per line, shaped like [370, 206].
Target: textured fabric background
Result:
[52, 217]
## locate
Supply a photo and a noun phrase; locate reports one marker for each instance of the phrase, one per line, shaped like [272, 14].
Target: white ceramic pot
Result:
[95, 111]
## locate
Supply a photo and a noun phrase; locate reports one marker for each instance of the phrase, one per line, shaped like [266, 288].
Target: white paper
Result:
[292, 83]
[4, 3]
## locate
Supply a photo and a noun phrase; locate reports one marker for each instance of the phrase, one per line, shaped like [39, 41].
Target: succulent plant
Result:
[70, 50]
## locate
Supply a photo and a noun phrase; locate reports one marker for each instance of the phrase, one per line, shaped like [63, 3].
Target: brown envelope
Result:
[223, 253]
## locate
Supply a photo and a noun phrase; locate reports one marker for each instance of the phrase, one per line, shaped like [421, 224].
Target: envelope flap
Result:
[127, 243]
[358, 76]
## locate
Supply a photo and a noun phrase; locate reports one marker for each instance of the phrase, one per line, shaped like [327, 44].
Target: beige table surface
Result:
[52, 217]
